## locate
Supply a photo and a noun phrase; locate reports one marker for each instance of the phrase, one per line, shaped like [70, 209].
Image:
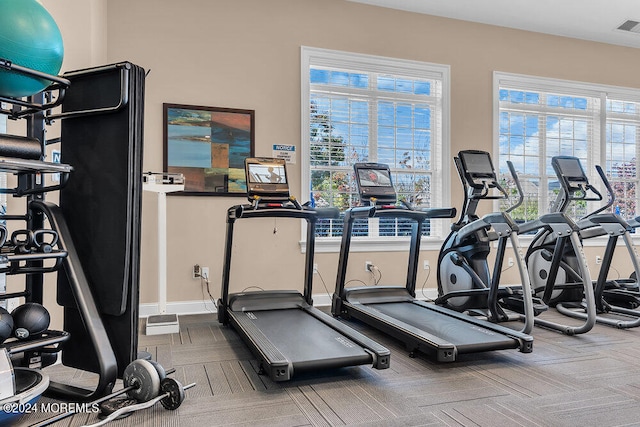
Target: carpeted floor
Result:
[586, 380]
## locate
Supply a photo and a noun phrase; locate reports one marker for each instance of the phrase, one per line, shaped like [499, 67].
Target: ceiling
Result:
[595, 20]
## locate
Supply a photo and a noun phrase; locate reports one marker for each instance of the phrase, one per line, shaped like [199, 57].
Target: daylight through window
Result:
[541, 118]
[359, 108]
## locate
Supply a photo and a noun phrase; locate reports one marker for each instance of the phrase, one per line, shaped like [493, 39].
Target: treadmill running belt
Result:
[467, 337]
[304, 340]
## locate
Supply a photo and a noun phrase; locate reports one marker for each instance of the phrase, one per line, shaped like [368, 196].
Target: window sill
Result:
[372, 244]
[400, 244]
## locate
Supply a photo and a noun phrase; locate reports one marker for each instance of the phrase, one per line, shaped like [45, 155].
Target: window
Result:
[360, 108]
[540, 118]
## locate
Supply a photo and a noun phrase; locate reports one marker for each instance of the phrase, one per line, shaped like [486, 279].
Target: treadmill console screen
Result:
[266, 178]
[374, 181]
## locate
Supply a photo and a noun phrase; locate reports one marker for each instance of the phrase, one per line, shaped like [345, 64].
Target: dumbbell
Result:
[141, 380]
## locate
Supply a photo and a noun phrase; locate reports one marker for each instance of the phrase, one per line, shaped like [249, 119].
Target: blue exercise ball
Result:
[28, 37]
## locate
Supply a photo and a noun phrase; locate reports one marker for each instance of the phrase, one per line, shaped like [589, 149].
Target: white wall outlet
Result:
[368, 266]
[205, 273]
[315, 268]
[598, 259]
[425, 264]
[510, 261]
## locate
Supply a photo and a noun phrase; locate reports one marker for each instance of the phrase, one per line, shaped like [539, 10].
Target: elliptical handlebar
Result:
[516, 180]
[607, 184]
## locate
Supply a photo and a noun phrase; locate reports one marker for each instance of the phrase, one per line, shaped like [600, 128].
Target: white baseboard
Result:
[205, 306]
[179, 308]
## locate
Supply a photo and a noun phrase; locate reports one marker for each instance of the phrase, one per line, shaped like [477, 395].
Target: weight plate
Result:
[174, 393]
[143, 376]
[161, 372]
[110, 406]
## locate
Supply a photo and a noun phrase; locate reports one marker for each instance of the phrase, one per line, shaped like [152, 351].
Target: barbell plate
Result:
[110, 406]
[161, 372]
[174, 393]
[143, 376]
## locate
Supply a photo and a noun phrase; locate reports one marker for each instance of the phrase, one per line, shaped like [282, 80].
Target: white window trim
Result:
[569, 87]
[441, 171]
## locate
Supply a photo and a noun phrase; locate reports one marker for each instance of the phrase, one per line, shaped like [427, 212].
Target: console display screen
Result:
[374, 178]
[374, 182]
[267, 173]
[477, 163]
[570, 167]
[266, 178]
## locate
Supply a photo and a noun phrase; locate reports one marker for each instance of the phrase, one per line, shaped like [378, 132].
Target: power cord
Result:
[617, 272]
[204, 279]
[508, 267]
[425, 284]
[253, 287]
[372, 270]
[323, 283]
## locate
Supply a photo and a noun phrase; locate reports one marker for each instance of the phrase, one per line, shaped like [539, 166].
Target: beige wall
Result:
[246, 54]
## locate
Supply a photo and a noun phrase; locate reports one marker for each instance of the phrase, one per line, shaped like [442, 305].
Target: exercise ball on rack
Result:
[29, 37]
[29, 320]
[6, 324]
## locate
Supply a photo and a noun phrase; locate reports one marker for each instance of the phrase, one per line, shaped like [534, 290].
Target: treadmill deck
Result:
[297, 341]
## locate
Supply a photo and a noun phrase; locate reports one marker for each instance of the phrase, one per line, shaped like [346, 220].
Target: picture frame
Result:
[208, 146]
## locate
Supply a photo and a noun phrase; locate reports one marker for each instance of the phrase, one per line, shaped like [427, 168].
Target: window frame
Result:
[440, 172]
[597, 150]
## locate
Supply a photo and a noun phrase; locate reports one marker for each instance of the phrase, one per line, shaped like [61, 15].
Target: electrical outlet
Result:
[425, 264]
[205, 273]
[315, 268]
[196, 271]
[598, 259]
[368, 266]
[510, 261]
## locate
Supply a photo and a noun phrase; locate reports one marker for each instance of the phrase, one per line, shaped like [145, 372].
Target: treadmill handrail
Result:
[249, 211]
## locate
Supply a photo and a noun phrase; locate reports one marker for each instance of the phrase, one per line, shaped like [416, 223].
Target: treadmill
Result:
[395, 310]
[281, 327]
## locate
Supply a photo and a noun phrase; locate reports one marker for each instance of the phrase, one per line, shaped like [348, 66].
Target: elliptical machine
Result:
[464, 279]
[612, 297]
[465, 282]
[558, 268]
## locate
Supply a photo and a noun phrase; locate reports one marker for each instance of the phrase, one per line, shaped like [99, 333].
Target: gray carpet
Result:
[586, 380]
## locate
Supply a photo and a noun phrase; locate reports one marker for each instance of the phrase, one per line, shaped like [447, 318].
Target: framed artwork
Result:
[208, 146]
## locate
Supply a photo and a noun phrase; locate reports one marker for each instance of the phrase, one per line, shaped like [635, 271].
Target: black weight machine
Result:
[395, 310]
[283, 329]
[615, 299]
